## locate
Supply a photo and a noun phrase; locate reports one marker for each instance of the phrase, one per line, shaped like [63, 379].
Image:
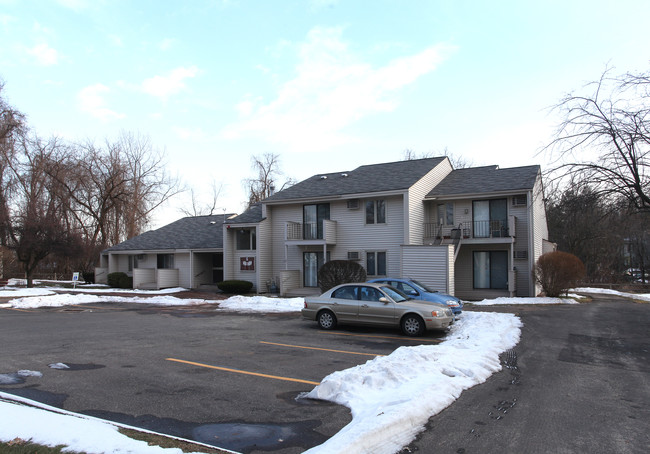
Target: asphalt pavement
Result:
[577, 382]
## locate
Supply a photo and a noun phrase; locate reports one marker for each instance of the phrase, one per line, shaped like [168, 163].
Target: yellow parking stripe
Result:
[321, 349]
[416, 339]
[226, 369]
[14, 309]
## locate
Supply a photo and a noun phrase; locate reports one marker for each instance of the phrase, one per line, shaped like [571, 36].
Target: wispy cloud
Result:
[91, 100]
[166, 43]
[44, 54]
[333, 89]
[172, 83]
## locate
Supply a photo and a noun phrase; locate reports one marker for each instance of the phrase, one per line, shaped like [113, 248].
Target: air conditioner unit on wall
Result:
[354, 255]
[522, 255]
[353, 204]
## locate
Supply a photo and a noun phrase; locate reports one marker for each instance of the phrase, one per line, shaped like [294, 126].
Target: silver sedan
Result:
[376, 304]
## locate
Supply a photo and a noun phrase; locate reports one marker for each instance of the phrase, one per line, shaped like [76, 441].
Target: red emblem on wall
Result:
[247, 263]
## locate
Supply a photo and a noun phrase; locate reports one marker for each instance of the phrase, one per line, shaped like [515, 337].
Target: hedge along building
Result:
[186, 253]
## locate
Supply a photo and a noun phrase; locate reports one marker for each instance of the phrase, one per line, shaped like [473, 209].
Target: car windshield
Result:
[422, 287]
[395, 294]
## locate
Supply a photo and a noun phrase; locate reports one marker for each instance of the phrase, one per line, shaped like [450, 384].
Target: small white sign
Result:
[75, 276]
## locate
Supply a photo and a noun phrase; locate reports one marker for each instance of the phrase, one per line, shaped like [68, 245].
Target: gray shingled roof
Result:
[392, 176]
[480, 180]
[196, 232]
[252, 215]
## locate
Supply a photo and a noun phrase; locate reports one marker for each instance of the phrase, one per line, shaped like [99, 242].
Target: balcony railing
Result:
[308, 231]
[472, 229]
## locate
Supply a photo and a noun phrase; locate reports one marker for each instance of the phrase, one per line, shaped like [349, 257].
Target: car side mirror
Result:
[413, 292]
[384, 300]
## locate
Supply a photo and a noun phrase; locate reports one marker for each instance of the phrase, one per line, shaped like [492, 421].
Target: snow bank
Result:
[637, 296]
[538, 300]
[262, 304]
[392, 397]
[57, 427]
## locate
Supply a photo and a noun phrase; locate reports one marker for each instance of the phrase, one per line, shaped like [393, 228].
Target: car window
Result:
[370, 294]
[348, 292]
[423, 287]
[395, 294]
[407, 288]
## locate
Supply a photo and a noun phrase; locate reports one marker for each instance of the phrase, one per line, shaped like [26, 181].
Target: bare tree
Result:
[265, 183]
[603, 139]
[457, 162]
[197, 208]
[34, 227]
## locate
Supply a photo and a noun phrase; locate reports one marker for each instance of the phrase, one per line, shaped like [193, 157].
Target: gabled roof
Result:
[483, 180]
[392, 176]
[252, 215]
[195, 232]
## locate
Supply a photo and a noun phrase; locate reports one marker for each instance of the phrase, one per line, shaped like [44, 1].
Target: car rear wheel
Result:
[326, 320]
[413, 325]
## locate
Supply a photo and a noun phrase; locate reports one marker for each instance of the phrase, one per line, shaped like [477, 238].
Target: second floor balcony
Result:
[311, 232]
[488, 229]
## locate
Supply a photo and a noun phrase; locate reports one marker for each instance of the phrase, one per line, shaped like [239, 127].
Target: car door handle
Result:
[364, 305]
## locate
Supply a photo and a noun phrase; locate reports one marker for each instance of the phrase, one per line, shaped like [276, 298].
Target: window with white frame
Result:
[376, 263]
[376, 211]
[165, 261]
[246, 240]
[446, 213]
[491, 269]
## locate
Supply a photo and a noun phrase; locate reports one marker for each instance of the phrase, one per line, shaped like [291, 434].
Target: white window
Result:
[376, 211]
[376, 263]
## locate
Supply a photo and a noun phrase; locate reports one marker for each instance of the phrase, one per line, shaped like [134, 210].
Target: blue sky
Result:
[327, 84]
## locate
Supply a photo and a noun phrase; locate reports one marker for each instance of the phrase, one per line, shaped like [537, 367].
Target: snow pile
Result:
[538, 300]
[11, 292]
[392, 397]
[262, 304]
[78, 433]
[637, 296]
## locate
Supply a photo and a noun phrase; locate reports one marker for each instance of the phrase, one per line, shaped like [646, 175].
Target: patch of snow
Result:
[262, 304]
[8, 292]
[392, 397]
[538, 300]
[29, 373]
[58, 366]
[57, 427]
[638, 296]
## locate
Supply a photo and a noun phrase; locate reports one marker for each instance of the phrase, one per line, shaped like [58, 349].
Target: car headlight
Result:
[440, 313]
[452, 303]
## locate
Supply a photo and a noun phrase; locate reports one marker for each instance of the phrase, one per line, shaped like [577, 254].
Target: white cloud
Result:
[164, 86]
[333, 89]
[44, 54]
[91, 100]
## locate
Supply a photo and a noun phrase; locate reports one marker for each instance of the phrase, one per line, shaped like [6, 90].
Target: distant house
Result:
[186, 253]
[473, 232]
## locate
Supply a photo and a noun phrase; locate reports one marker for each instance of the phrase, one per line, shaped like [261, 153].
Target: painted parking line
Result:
[412, 339]
[85, 306]
[321, 349]
[257, 374]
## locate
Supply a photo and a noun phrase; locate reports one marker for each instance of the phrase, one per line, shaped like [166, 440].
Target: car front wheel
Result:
[326, 320]
[413, 325]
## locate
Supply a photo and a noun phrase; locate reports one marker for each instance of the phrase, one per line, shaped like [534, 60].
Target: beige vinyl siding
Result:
[355, 235]
[279, 216]
[521, 244]
[431, 265]
[264, 259]
[540, 227]
[415, 215]
[182, 264]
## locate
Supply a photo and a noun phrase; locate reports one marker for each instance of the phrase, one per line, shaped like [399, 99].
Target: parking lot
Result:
[232, 380]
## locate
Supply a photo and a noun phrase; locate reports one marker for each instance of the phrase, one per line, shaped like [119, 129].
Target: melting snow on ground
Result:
[391, 398]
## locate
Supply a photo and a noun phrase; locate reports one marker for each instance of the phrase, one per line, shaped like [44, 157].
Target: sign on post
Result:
[75, 278]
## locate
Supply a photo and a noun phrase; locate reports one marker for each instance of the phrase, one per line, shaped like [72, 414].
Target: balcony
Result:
[473, 230]
[311, 232]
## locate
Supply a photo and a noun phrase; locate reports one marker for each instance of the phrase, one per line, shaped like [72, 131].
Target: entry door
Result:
[312, 261]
